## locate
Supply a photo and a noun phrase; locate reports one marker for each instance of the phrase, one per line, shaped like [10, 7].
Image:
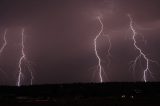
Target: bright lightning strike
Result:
[141, 53]
[96, 52]
[23, 58]
[5, 42]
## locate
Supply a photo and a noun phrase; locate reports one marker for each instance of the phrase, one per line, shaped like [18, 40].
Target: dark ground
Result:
[91, 94]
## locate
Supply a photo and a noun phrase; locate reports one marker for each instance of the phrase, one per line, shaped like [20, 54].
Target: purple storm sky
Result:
[59, 38]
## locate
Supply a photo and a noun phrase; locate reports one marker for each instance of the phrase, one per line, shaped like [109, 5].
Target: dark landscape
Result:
[79, 94]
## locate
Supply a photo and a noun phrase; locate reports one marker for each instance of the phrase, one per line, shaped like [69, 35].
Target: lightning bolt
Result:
[3, 47]
[5, 42]
[23, 58]
[96, 51]
[141, 55]
[109, 50]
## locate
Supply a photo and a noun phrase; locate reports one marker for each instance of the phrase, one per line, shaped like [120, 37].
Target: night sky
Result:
[59, 38]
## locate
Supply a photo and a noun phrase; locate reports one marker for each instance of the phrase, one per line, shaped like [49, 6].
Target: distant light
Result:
[132, 97]
[123, 96]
